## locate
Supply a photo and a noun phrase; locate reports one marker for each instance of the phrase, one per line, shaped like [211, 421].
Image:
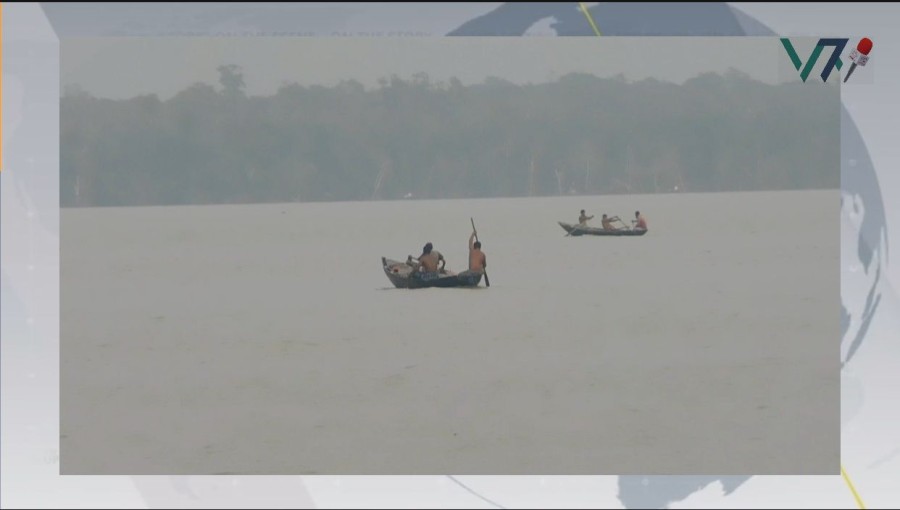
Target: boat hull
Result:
[402, 276]
[576, 230]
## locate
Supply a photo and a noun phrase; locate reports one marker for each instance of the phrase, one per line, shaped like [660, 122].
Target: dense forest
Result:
[421, 139]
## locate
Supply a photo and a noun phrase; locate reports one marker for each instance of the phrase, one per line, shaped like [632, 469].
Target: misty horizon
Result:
[383, 82]
[418, 138]
[117, 68]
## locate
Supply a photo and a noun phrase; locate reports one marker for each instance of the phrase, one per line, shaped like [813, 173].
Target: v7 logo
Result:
[833, 61]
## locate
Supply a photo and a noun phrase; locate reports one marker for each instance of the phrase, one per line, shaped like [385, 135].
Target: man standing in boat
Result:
[477, 259]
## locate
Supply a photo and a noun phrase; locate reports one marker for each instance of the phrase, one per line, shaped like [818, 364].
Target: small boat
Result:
[577, 230]
[402, 276]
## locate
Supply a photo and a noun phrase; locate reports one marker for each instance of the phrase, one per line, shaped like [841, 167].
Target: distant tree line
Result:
[417, 138]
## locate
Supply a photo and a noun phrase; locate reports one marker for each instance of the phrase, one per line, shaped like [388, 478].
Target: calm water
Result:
[266, 339]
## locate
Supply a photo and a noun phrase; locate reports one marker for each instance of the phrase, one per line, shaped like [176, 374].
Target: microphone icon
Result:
[860, 55]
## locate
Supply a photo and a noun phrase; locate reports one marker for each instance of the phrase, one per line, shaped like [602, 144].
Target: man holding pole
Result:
[477, 259]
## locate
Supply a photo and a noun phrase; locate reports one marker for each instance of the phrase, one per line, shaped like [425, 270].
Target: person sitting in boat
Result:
[583, 219]
[639, 222]
[607, 222]
[429, 259]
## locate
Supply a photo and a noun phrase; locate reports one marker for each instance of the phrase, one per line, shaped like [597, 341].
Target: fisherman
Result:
[607, 222]
[639, 222]
[583, 219]
[429, 259]
[477, 259]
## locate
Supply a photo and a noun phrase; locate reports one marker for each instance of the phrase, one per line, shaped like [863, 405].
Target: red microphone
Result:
[860, 55]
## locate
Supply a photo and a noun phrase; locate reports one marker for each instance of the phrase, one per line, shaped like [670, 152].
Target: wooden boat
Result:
[576, 230]
[402, 276]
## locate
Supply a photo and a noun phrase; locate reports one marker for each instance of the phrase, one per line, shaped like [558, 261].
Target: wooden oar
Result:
[487, 281]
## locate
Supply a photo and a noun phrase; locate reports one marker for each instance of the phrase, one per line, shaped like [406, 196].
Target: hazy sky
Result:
[126, 67]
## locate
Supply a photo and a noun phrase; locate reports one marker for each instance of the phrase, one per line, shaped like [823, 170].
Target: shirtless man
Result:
[639, 222]
[477, 260]
[607, 222]
[583, 219]
[429, 259]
